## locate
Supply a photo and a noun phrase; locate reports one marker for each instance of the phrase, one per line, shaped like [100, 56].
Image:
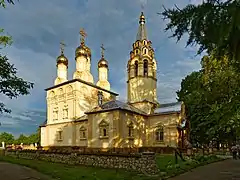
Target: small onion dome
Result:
[62, 59]
[102, 63]
[83, 50]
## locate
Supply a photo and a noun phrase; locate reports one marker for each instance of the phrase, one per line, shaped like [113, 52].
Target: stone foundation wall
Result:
[143, 163]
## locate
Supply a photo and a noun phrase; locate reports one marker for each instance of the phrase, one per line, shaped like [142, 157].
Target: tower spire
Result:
[142, 33]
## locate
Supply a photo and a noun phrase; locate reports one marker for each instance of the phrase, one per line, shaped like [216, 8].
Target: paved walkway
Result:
[224, 170]
[16, 172]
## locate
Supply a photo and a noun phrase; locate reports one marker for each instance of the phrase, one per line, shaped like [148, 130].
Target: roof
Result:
[113, 105]
[84, 117]
[168, 108]
[84, 82]
[43, 124]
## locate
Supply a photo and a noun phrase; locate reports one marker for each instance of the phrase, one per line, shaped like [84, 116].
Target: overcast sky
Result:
[37, 27]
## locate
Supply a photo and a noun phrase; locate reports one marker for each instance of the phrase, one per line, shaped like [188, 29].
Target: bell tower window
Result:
[145, 67]
[136, 68]
[145, 51]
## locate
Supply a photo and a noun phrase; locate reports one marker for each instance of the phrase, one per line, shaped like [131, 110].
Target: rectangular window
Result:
[130, 131]
[83, 134]
[159, 135]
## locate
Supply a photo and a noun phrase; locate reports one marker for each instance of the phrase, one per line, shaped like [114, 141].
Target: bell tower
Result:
[142, 67]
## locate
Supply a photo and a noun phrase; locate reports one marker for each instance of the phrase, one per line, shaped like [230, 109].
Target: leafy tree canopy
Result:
[212, 98]
[7, 138]
[214, 25]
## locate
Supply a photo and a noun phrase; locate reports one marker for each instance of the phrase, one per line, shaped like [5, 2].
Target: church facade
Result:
[87, 114]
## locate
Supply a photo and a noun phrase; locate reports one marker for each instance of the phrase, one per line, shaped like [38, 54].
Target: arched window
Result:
[145, 67]
[104, 132]
[145, 51]
[136, 68]
[60, 91]
[51, 94]
[159, 133]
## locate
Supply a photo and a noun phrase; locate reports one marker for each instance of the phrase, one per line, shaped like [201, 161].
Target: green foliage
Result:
[168, 167]
[10, 85]
[212, 98]
[212, 95]
[7, 138]
[214, 25]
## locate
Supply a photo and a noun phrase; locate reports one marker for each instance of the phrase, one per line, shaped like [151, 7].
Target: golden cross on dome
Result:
[83, 35]
[62, 45]
[102, 50]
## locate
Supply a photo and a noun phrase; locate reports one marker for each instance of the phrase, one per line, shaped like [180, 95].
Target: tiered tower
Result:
[142, 67]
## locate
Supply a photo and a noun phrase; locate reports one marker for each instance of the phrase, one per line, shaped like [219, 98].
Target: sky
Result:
[37, 27]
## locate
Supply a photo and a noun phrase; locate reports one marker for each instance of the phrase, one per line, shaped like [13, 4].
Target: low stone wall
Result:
[143, 163]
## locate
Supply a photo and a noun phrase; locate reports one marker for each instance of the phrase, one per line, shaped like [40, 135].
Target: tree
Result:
[10, 85]
[193, 95]
[212, 100]
[35, 137]
[214, 25]
[22, 139]
[7, 138]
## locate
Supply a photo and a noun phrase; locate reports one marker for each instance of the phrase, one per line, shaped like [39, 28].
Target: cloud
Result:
[37, 28]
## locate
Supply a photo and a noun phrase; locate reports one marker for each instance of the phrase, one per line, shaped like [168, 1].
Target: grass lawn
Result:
[164, 160]
[67, 172]
[166, 164]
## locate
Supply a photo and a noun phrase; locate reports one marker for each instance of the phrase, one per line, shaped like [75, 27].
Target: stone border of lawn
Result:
[144, 163]
[191, 164]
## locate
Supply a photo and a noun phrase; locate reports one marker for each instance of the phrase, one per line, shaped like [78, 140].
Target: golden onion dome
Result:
[62, 59]
[83, 50]
[102, 63]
